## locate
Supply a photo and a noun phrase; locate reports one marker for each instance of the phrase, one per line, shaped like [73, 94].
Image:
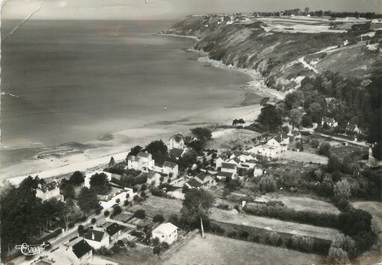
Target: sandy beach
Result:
[121, 142]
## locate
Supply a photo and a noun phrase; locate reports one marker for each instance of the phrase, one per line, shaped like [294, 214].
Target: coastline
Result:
[99, 155]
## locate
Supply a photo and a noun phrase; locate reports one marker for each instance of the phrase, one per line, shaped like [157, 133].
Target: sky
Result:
[160, 9]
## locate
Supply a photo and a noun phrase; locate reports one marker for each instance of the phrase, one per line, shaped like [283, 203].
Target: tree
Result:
[268, 184]
[112, 162]
[334, 164]
[270, 118]
[77, 178]
[141, 214]
[294, 99]
[324, 149]
[296, 116]
[87, 200]
[202, 134]
[158, 150]
[342, 189]
[196, 207]
[158, 218]
[67, 189]
[135, 150]
[307, 121]
[99, 182]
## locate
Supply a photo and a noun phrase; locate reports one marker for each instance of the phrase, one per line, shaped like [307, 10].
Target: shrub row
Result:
[287, 214]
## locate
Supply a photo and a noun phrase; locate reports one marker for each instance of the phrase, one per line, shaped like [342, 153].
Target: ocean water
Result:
[65, 81]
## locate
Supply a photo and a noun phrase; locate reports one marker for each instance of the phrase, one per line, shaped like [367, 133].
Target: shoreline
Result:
[100, 155]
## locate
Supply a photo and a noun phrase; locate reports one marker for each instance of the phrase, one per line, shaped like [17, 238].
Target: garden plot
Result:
[270, 224]
[226, 251]
[301, 203]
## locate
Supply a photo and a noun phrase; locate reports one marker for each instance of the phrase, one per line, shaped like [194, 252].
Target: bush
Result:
[93, 221]
[338, 256]
[158, 218]
[324, 149]
[315, 143]
[106, 213]
[342, 190]
[268, 184]
[141, 214]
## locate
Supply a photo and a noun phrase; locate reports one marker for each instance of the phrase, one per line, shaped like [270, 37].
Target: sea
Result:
[75, 81]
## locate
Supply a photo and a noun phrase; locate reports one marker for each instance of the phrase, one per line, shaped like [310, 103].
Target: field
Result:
[374, 208]
[158, 205]
[232, 217]
[301, 203]
[225, 251]
[305, 157]
[229, 138]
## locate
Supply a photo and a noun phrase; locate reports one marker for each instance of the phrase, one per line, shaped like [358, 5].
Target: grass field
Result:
[158, 205]
[218, 250]
[232, 217]
[301, 203]
[374, 208]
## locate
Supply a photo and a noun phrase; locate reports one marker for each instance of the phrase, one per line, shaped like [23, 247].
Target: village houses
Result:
[142, 162]
[166, 232]
[228, 170]
[74, 252]
[47, 191]
[272, 149]
[176, 142]
[97, 239]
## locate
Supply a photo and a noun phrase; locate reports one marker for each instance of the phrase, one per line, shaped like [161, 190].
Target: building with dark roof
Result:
[97, 239]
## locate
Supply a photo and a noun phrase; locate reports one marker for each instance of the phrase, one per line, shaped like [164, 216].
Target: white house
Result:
[125, 194]
[49, 191]
[171, 169]
[143, 162]
[166, 232]
[218, 162]
[97, 239]
[272, 149]
[258, 172]
[176, 142]
[228, 170]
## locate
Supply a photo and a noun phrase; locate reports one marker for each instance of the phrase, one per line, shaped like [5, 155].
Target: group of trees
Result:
[24, 216]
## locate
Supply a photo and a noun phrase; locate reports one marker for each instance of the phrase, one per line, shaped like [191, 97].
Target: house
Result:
[330, 122]
[226, 175]
[114, 231]
[193, 184]
[258, 172]
[229, 167]
[166, 232]
[206, 180]
[74, 252]
[271, 149]
[153, 178]
[218, 163]
[117, 198]
[376, 24]
[47, 191]
[171, 169]
[176, 153]
[97, 239]
[142, 162]
[176, 142]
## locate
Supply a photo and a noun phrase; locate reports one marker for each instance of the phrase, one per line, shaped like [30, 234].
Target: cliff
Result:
[286, 50]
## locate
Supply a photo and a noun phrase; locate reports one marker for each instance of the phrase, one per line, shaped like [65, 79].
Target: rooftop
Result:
[194, 183]
[166, 228]
[81, 248]
[113, 229]
[94, 235]
[229, 165]
[169, 164]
